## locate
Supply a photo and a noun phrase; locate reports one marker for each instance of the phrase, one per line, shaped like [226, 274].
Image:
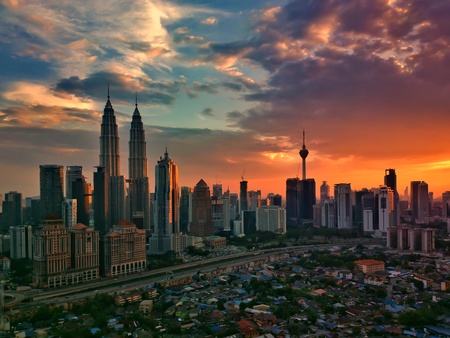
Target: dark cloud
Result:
[207, 112]
[205, 87]
[122, 88]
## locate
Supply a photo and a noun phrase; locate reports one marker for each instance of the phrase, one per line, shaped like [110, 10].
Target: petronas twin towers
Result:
[116, 204]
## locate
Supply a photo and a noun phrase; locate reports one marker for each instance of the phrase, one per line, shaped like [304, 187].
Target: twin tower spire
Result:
[135, 205]
[110, 146]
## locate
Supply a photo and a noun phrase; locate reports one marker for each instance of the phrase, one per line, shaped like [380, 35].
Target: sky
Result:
[228, 87]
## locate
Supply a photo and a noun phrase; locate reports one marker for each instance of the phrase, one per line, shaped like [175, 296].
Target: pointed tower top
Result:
[166, 154]
[108, 104]
[136, 110]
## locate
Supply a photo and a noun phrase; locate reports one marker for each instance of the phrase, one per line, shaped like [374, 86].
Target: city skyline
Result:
[229, 87]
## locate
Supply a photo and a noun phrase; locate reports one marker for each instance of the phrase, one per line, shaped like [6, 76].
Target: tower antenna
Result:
[303, 154]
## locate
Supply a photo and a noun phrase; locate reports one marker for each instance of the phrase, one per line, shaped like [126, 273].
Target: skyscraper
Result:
[217, 190]
[109, 141]
[72, 173]
[324, 191]
[414, 204]
[51, 189]
[167, 207]
[390, 180]
[185, 208]
[80, 192]
[423, 203]
[11, 210]
[385, 208]
[202, 224]
[101, 201]
[343, 202]
[307, 199]
[243, 197]
[292, 196]
[139, 194]
[110, 158]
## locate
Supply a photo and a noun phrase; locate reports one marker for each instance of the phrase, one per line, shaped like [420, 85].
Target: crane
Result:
[242, 176]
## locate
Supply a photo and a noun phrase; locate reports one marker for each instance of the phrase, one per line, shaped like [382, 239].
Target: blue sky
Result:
[228, 86]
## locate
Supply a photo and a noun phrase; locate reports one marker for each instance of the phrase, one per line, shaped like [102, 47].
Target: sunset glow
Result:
[229, 86]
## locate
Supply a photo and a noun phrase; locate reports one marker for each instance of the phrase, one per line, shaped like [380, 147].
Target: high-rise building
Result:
[221, 213]
[446, 204]
[359, 210]
[324, 191]
[292, 197]
[122, 250]
[16, 199]
[11, 211]
[328, 213]
[51, 189]
[84, 253]
[217, 190]
[343, 202]
[385, 208]
[185, 209]
[167, 208]
[306, 200]
[109, 141]
[414, 204]
[139, 194]
[243, 196]
[275, 199]
[21, 241]
[254, 198]
[51, 253]
[201, 225]
[110, 158]
[271, 218]
[101, 201]
[72, 173]
[69, 210]
[234, 206]
[80, 192]
[390, 180]
[423, 203]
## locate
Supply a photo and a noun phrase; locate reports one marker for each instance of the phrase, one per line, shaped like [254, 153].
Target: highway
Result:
[140, 280]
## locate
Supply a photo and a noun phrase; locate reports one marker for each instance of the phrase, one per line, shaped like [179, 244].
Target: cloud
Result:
[210, 21]
[207, 112]
[37, 94]
[122, 88]
[48, 117]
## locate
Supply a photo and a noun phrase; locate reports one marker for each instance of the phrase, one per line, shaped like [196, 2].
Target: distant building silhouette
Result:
[202, 224]
[72, 173]
[101, 200]
[51, 190]
[343, 202]
[243, 196]
[390, 180]
[292, 198]
[185, 209]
